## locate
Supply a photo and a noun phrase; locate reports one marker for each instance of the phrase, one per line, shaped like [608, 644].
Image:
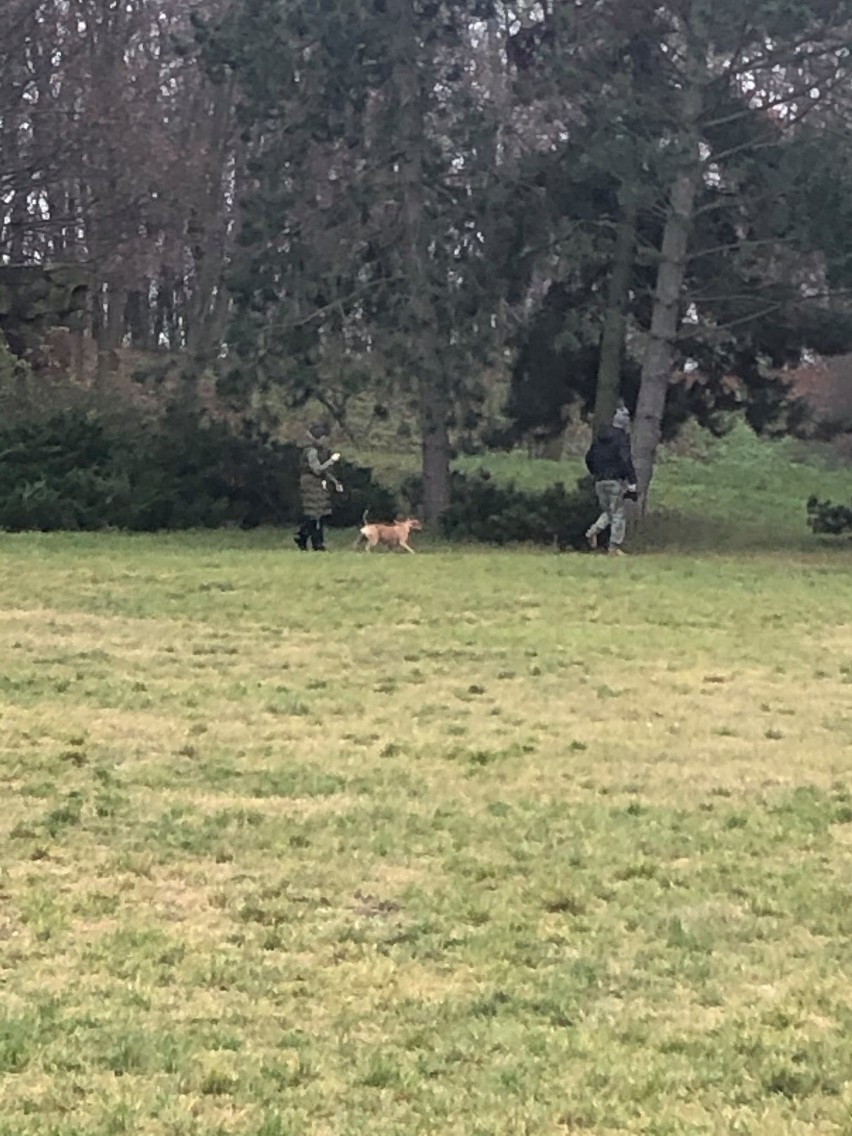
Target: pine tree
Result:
[362, 229]
[754, 70]
[695, 135]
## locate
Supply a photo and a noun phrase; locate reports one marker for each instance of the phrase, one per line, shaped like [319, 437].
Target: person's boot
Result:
[616, 550]
[592, 538]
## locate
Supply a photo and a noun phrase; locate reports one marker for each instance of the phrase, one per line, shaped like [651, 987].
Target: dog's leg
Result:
[406, 546]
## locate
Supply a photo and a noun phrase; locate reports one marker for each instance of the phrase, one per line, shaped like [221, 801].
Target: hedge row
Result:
[76, 471]
[484, 510]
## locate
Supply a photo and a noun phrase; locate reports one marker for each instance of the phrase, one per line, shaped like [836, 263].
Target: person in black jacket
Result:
[610, 463]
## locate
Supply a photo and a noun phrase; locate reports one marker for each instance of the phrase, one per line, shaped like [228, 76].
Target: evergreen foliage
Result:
[500, 513]
[365, 221]
[768, 237]
[78, 471]
[828, 518]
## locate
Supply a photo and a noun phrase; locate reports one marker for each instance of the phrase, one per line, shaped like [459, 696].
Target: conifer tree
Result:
[362, 230]
[702, 134]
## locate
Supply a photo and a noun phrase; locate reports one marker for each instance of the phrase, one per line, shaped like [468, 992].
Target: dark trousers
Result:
[311, 529]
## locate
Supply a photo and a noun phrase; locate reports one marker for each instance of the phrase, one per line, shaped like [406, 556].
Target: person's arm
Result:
[315, 465]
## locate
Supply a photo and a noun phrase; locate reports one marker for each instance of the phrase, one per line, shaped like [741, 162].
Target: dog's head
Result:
[413, 524]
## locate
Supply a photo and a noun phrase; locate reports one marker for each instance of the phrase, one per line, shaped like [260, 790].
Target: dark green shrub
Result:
[825, 517]
[360, 492]
[481, 509]
[55, 474]
[192, 473]
[74, 471]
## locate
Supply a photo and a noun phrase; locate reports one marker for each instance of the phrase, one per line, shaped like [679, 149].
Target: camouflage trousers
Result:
[610, 496]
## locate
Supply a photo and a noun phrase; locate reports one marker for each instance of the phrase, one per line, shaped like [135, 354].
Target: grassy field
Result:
[466, 843]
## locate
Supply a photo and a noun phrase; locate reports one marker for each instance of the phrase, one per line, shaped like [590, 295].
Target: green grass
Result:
[472, 842]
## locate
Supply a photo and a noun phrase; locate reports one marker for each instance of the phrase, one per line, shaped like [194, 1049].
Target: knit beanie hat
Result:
[621, 418]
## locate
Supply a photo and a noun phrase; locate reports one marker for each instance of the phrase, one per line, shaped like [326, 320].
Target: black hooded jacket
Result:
[609, 457]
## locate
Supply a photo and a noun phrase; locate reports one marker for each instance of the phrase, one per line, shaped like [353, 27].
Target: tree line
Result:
[323, 198]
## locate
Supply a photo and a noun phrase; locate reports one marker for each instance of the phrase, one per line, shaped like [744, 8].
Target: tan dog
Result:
[393, 536]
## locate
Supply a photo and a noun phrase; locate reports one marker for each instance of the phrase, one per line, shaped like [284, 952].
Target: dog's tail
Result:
[364, 516]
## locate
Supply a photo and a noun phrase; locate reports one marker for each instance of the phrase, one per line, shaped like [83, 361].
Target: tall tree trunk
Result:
[78, 354]
[137, 317]
[109, 330]
[433, 390]
[665, 317]
[608, 388]
[19, 223]
[435, 448]
[208, 301]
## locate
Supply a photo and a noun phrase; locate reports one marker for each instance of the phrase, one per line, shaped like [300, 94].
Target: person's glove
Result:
[631, 493]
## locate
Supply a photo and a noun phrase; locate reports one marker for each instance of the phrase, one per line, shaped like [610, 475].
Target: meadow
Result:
[470, 842]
